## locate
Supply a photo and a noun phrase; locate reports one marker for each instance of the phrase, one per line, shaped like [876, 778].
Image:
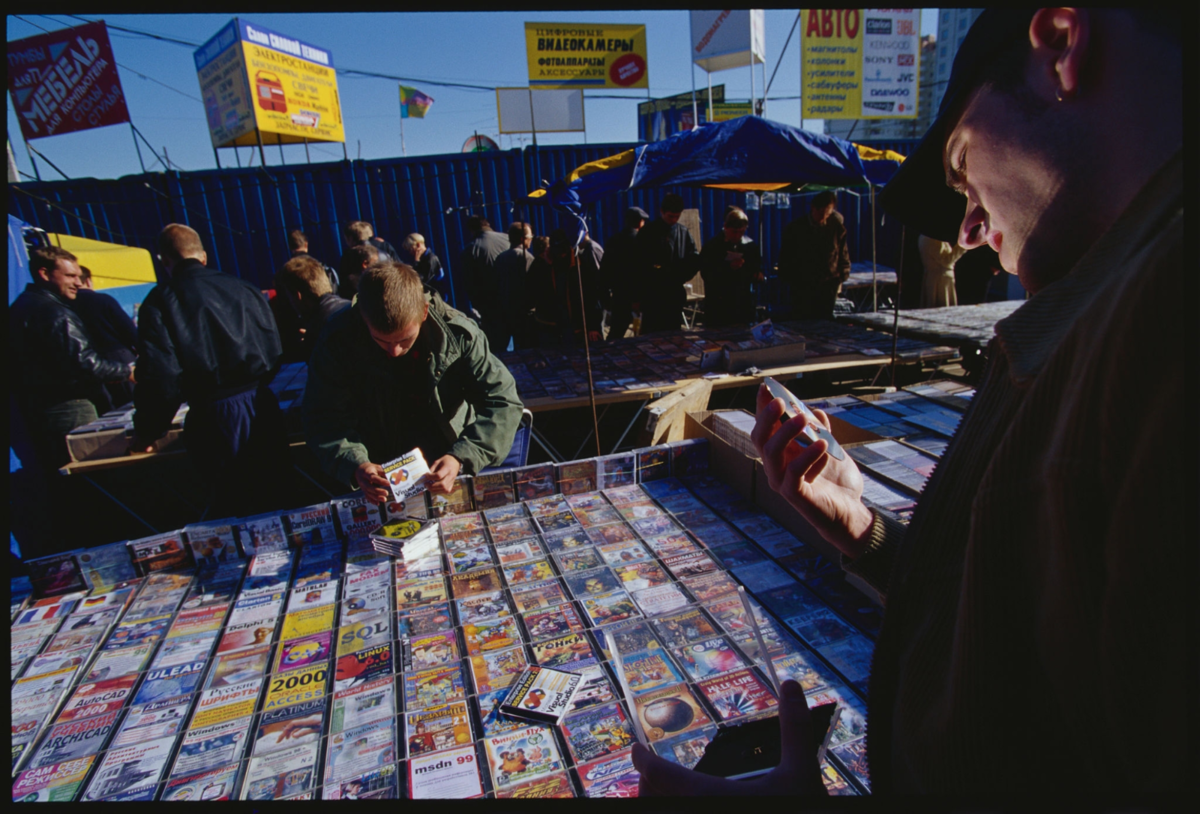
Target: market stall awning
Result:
[112, 265]
[748, 153]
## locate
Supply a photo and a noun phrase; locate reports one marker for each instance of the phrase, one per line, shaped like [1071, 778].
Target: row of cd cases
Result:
[298, 688]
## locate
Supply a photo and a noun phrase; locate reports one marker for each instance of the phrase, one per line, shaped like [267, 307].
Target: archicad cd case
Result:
[542, 694]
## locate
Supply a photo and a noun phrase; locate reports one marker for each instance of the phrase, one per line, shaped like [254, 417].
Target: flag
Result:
[413, 103]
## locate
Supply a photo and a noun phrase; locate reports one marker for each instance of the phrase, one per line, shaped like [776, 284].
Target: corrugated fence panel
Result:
[244, 214]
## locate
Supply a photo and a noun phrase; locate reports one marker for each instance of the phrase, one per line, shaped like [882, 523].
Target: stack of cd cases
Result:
[318, 667]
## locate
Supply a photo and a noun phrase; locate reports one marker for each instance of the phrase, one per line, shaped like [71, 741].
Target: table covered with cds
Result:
[347, 650]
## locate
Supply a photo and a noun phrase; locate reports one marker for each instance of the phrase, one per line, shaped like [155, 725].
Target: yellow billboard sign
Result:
[860, 63]
[585, 55]
[728, 111]
[257, 82]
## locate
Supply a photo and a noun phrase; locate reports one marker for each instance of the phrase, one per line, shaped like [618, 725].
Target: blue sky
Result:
[469, 47]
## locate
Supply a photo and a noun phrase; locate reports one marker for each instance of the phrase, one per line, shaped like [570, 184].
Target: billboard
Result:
[728, 38]
[525, 110]
[256, 81]
[65, 81]
[570, 55]
[860, 63]
[662, 118]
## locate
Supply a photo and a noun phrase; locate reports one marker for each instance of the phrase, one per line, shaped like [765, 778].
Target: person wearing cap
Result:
[730, 263]
[618, 272]
[667, 258]
[1045, 555]
[562, 306]
[814, 258]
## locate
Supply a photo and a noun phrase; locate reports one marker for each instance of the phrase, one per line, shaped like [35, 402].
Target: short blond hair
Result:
[412, 241]
[304, 275]
[359, 231]
[391, 296]
[178, 242]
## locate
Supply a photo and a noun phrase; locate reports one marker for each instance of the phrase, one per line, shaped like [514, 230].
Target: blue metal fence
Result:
[244, 215]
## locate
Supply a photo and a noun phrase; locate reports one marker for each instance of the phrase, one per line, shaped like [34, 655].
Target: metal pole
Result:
[36, 173]
[695, 109]
[217, 157]
[896, 306]
[874, 287]
[532, 118]
[403, 149]
[587, 352]
[137, 147]
[752, 107]
[307, 157]
[279, 144]
[262, 155]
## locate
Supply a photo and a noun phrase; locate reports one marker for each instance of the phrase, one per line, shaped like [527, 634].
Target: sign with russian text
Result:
[728, 38]
[256, 81]
[570, 55]
[65, 81]
[860, 63]
[662, 118]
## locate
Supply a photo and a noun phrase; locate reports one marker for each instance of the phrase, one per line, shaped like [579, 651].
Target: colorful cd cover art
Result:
[692, 564]
[521, 756]
[431, 651]
[710, 586]
[498, 669]
[59, 782]
[422, 621]
[608, 608]
[669, 711]
[623, 553]
[500, 515]
[550, 786]
[380, 784]
[285, 773]
[438, 728]
[613, 777]
[297, 687]
[548, 623]
[560, 521]
[571, 652]
[418, 593]
[519, 551]
[611, 534]
[533, 482]
[465, 540]
[592, 583]
[362, 633]
[494, 720]
[597, 732]
[363, 704]
[579, 559]
[74, 740]
[432, 688]
[598, 516]
[738, 695]
[708, 658]
[405, 475]
[480, 581]
[357, 751]
[56, 575]
[686, 749]
[491, 634]
[468, 559]
[542, 694]
[660, 599]
[482, 608]
[538, 595]
[211, 746]
[577, 477]
[492, 489]
[237, 666]
[649, 670]
[639, 575]
[512, 531]
[686, 626]
[289, 726]
[527, 572]
[364, 666]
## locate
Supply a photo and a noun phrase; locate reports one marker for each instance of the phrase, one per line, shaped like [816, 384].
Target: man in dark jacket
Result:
[298, 246]
[814, 258]
[512, 268]
[730, 263]
[360, 232]
[209, 338]
[114, 336]
[424, 262]
[58, 367]
[667, 258]
[619, 272]
[305, 290]
[403, 370]
[477, 262]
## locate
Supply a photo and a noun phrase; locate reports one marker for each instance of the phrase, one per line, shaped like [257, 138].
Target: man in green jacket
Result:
[402, 370]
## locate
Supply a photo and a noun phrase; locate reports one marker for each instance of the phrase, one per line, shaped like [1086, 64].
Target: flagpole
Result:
[403, 149]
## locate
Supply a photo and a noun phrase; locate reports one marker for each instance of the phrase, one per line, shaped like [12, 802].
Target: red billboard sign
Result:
[65, 81]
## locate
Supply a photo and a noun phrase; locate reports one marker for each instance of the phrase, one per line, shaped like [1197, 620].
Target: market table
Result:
[863, 279]
[966, 326]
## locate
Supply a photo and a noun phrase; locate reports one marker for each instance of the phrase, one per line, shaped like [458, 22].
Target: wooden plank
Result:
[665, 421]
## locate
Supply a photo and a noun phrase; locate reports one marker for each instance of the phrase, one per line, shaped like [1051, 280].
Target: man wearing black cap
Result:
[668, 258]
[1043, 558]
[618, 272]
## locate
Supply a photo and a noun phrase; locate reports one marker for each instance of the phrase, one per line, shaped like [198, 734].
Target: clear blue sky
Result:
[470, 47]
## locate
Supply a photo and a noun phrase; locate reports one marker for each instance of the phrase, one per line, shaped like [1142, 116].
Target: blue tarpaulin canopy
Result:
[745, 153]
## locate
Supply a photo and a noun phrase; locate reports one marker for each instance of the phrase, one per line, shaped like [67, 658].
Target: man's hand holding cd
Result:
[371, 480]
[826, 491]
[797, 773]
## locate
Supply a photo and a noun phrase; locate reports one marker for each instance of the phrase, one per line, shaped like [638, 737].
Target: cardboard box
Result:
[94, 446]
[780, 354]
[724, 461]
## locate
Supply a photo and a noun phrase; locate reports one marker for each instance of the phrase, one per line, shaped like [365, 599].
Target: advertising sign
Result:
[65, 81]
[662, 118]
[522, 110]
[728, 38]
[860, 63]
[253, 78]
[567, 55]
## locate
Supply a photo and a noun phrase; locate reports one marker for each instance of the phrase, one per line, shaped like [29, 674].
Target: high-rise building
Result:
[937, 57]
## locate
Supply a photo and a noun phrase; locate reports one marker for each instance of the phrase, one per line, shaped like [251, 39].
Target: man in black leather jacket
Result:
[58, 365]
[210, 339]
